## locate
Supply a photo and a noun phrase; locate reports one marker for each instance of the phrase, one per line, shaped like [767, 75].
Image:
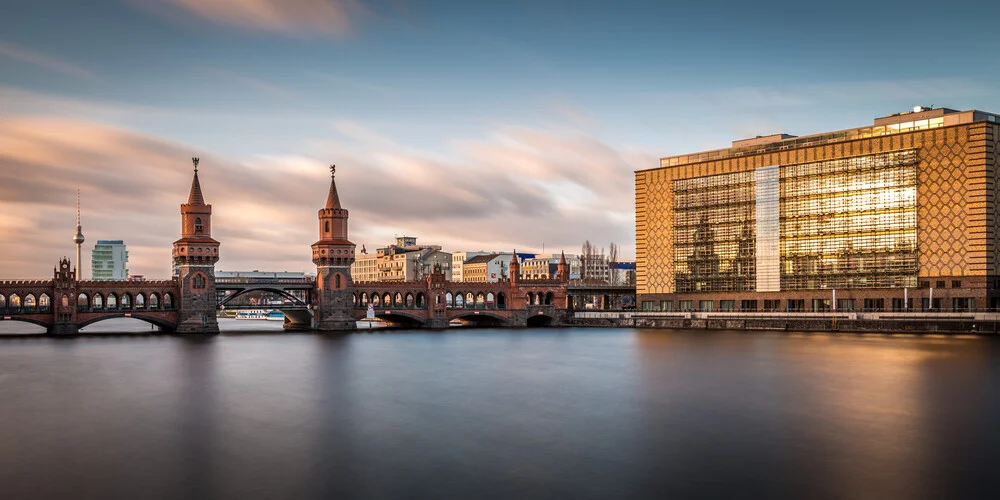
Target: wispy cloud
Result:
[45, 61]
[517, 187]
[292, 17]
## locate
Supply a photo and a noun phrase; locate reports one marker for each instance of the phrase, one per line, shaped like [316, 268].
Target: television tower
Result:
[78, 239]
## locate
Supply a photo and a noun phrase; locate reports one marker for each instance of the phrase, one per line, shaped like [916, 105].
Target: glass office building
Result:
[900, 216]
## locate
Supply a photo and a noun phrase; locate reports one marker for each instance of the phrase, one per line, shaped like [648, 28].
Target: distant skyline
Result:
[471, 125]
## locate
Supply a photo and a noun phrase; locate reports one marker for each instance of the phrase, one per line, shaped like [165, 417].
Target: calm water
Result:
[576, 413]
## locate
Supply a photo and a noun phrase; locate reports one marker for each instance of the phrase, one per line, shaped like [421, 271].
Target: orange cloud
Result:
[331, 17]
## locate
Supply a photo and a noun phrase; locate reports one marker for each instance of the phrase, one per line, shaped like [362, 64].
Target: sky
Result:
[471, 125]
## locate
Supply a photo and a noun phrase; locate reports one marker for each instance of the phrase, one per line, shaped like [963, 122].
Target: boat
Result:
[252, 314]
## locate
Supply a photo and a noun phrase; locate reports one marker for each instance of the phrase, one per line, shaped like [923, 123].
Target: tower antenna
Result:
[195, 161]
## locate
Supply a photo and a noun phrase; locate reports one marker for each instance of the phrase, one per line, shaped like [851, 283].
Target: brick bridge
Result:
[189, 302]
[435, 303]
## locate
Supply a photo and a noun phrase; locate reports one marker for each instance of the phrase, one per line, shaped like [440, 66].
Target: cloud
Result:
[293, 17]
[519, 187]
[46, 61]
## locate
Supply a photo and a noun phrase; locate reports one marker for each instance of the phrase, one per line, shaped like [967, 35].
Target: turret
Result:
[515, 269]
[562, 269]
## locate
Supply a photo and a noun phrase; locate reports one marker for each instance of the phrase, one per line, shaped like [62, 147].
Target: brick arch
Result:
[163, 324]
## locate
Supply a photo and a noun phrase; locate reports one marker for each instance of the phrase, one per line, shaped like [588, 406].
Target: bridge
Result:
[437, 303]
[189, 302]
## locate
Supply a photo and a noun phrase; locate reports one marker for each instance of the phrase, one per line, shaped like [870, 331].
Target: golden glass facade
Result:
[903, 211]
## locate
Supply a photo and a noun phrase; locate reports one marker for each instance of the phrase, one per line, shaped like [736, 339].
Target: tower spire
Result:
[196, 198]
[333, 199]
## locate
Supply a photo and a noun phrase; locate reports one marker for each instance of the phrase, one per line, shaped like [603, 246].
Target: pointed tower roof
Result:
[513, 257]
[332, 199]
[195, 198]
[562, 257]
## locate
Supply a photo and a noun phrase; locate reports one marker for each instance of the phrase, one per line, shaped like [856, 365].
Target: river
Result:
[486, 413]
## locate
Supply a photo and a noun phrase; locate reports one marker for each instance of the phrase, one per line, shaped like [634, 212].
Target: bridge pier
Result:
[63, 329]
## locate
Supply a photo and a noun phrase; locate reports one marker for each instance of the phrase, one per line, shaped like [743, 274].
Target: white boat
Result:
[252, 314]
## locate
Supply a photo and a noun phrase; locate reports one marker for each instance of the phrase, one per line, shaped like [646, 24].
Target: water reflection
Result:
[500, 414]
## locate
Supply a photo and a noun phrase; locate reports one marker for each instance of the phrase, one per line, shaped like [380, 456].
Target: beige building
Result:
[487, 268]
[458, 260]
[403, 261]
[898, 216]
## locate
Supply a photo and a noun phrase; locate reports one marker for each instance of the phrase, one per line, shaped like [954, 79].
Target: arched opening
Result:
[140, 301]
[449, 300]
[364, 299]
[387, 300]
[459, 300]
[376, 300]
[548, 299]
[326, 227]
[119, 324]
[198, 282]
[65, 300]
[480, 300]
[410, 301]
[126, 301]
[44, 303]
[154, 301]
[112, 301]
[98, 301]
[15, 303]
[490, 300]
[198, 227]
[531, 298]
[471, 320]
[168, 301]
[501, 301]
[82, 302]
[354, 299]
[29, 303]
[399, 300]
[3, 302]
[421, 300]
[540, 320]
[470, 300]
[336, 281]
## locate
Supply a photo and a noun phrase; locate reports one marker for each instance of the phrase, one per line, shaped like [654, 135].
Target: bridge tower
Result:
[64, 298]
[333, 255]
[195, 255]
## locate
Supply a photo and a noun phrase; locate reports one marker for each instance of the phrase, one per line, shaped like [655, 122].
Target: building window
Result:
[796, 305]
[821, 305]
[727, 305]
[956, 283]
[898, 305]
[327, 227]
[748, 305]
[686, 305]
[336, 281]
[845, 305]
[874, 305]
[940, 284]
[706, 305]
[198, 282]
[198, 228]
[963, 304]
[647, 305]
[772, 305]
[667, 305]
[925, 284]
